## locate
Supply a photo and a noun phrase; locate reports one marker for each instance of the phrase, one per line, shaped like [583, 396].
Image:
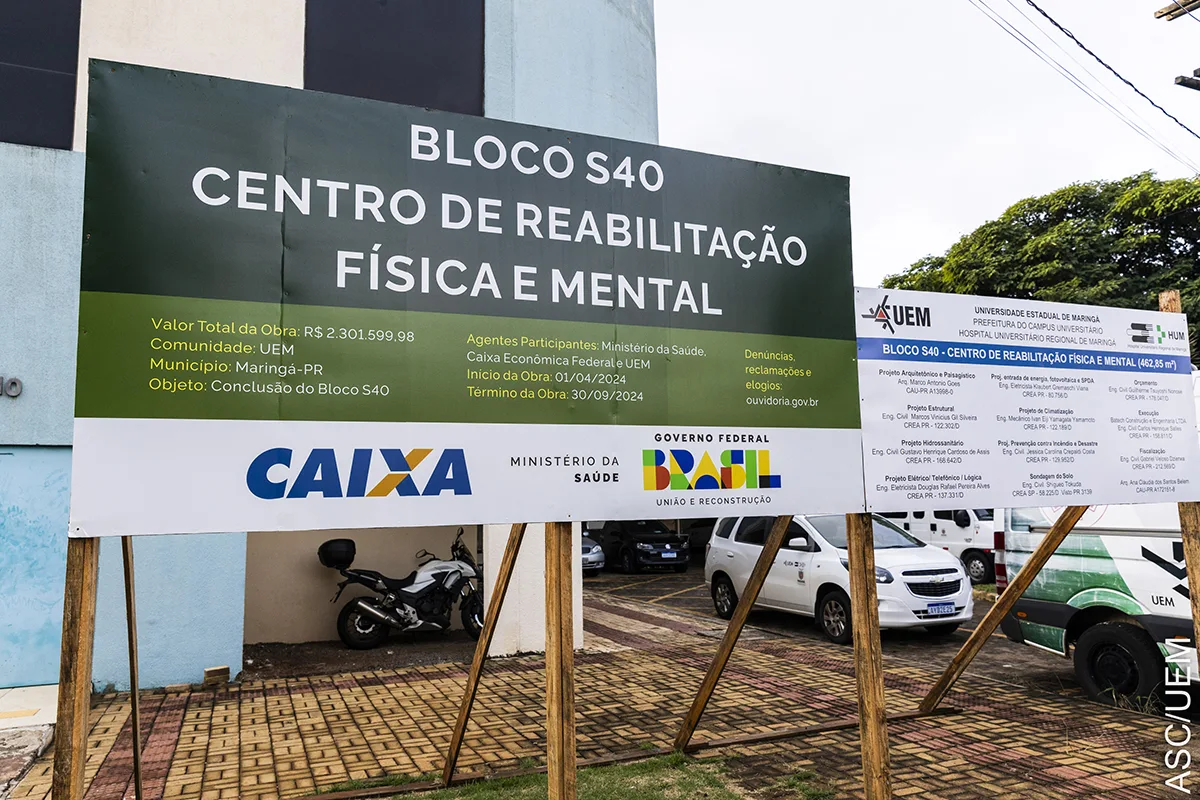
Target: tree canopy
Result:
[1107, 243]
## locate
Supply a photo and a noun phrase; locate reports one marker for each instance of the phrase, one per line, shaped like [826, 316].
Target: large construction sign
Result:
[303, 310]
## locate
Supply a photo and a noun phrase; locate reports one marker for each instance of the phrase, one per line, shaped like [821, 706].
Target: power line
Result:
[1104, 64]
[1028, 44]
[1186, 10]
[1116, 96]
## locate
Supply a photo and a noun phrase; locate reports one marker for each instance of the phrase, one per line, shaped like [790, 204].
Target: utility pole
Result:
[1177, 9]
[1192, 82]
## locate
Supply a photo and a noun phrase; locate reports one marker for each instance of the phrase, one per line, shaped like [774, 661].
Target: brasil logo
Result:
[683, 469]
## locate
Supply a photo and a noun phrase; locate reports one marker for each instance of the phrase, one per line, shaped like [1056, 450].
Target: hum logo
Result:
[889, 316]
[1147, 333]
[273, 476]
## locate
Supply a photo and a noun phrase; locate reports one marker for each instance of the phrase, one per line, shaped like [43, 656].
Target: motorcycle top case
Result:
[337, 553]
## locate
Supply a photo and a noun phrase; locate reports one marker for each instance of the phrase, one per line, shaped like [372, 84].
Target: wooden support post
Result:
[75, 668]
[749, 595]
[560, 663]
[491, 617]
[868, 658]
[1189, 513]
[131, 627]
[1004, 604]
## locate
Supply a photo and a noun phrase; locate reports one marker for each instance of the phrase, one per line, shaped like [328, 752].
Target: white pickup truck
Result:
[1115, 590]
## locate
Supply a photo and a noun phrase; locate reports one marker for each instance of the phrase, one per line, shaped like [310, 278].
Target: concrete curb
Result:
[19, 749]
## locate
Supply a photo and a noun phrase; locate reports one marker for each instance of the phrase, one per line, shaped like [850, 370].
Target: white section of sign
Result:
[982, 402]
[195, 476]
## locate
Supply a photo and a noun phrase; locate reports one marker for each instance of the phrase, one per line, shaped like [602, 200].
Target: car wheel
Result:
[724, 597]
[944, 629]
[1117, 662]
[978, 568]
[629, 562]
[834, 617]
[681, 567]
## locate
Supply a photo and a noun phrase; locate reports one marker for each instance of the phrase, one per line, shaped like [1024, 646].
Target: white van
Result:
[966, 533]
[1115, 593]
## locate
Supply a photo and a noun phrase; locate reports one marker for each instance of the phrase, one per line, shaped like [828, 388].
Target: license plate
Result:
[940, 608]
[669, 555]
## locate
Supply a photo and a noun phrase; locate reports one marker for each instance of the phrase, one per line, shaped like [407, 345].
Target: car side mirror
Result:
[798, 543]
[962, 519]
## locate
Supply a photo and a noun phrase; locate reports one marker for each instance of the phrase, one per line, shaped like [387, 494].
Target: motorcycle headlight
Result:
[644, 546]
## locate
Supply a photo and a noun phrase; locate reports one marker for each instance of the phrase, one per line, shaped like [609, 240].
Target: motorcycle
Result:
[421, 602]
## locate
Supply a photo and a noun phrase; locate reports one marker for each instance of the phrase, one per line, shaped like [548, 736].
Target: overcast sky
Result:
[940, 119]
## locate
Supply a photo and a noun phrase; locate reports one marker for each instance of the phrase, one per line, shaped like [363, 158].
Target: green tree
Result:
[1107, 243]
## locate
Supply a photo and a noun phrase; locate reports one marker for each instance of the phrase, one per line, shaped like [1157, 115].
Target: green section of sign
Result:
[193, 358]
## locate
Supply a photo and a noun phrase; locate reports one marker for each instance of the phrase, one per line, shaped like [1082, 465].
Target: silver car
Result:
[593, 557]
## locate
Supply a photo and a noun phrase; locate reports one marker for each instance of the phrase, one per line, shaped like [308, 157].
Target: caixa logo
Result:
[683, 469]
[278, 473]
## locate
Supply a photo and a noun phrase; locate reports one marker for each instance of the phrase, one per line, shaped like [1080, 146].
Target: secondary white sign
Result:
[981, 402]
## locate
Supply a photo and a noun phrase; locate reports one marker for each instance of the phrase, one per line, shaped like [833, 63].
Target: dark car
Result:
[635, 545]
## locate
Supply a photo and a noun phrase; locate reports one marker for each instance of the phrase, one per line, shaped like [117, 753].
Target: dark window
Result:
[753, 530]
[918, 515]
[984, 514]
[39, 55]
[416, 52]
[895, 514]
[947, 515]
[724, 527]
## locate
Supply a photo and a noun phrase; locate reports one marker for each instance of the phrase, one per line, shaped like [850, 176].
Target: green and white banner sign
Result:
[301, 310]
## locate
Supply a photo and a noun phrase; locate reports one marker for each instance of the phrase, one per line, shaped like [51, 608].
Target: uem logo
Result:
[890, 316]
[681, 469]
[321, 474]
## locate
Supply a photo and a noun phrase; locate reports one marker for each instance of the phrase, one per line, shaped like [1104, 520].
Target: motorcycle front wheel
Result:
[471, 609]
[359, 631]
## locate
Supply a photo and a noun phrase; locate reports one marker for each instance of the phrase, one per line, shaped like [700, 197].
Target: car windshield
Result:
[984, 514]
[887, 535]
[644, 526]
[1024, 519]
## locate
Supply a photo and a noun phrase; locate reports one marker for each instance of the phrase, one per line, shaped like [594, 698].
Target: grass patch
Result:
[388, 780]
[989, 588]
[672, 777]
[802, 785]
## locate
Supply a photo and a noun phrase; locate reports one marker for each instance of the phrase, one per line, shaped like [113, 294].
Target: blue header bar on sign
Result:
[875, 349]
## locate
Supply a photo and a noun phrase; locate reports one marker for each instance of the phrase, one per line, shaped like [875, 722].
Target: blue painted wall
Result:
[41, 220]
[41, 210]
[35, 484]
[190, 604]
[583, 65]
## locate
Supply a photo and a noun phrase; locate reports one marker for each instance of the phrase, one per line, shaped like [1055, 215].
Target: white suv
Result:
[918, 585]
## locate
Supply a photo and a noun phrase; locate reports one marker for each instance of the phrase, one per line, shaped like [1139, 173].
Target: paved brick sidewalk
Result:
[288, 738]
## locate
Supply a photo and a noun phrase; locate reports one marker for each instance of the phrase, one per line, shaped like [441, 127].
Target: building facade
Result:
[585, 65]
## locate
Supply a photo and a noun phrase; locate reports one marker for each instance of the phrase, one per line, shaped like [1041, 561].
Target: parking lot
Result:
[1000, 660]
